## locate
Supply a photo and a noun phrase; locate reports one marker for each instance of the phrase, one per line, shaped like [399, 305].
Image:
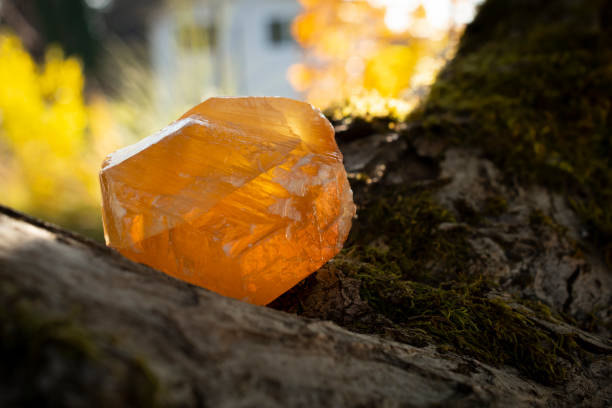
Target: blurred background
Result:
[81, 78]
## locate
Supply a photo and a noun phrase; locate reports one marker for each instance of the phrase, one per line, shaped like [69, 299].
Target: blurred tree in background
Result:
[65, 22]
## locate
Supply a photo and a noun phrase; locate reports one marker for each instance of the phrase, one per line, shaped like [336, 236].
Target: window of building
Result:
[279, 32]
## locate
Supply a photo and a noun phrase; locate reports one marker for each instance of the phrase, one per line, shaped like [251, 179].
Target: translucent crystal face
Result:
[243, 196]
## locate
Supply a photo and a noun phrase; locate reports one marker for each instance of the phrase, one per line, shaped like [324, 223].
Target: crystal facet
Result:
[243, 196]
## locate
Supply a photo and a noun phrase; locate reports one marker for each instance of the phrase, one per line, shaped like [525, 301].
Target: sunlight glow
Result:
[389, 48]
[439, 14]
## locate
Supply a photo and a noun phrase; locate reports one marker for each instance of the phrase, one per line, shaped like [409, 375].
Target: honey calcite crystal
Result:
[243, 196]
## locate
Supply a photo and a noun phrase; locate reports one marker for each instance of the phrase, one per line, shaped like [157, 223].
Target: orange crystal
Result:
[243, 196]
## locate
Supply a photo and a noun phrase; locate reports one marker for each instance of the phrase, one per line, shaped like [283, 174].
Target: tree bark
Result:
[83, 326]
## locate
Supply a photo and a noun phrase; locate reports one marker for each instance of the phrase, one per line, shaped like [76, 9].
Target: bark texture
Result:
[83, 326]
[96, 329]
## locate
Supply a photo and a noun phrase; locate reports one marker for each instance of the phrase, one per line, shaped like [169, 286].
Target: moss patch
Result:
[531, 85]
[418, 269]
[462, 317]
[413, 244]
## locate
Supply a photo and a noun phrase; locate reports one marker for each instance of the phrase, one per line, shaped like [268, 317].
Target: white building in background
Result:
[201, 48]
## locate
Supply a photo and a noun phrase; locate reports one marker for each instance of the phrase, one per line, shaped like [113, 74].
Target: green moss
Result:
[49, 360]
[400, 233]
[461, 316]
[538, 221]
[495, 206]
[531, 86]
[415, 265]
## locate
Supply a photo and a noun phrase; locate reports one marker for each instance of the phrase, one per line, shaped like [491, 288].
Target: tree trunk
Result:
[83, 326]
[477, 272]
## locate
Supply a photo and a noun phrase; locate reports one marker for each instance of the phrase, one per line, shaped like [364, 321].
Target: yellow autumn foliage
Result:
[390, 70]
[364, 49]
[49, 151]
